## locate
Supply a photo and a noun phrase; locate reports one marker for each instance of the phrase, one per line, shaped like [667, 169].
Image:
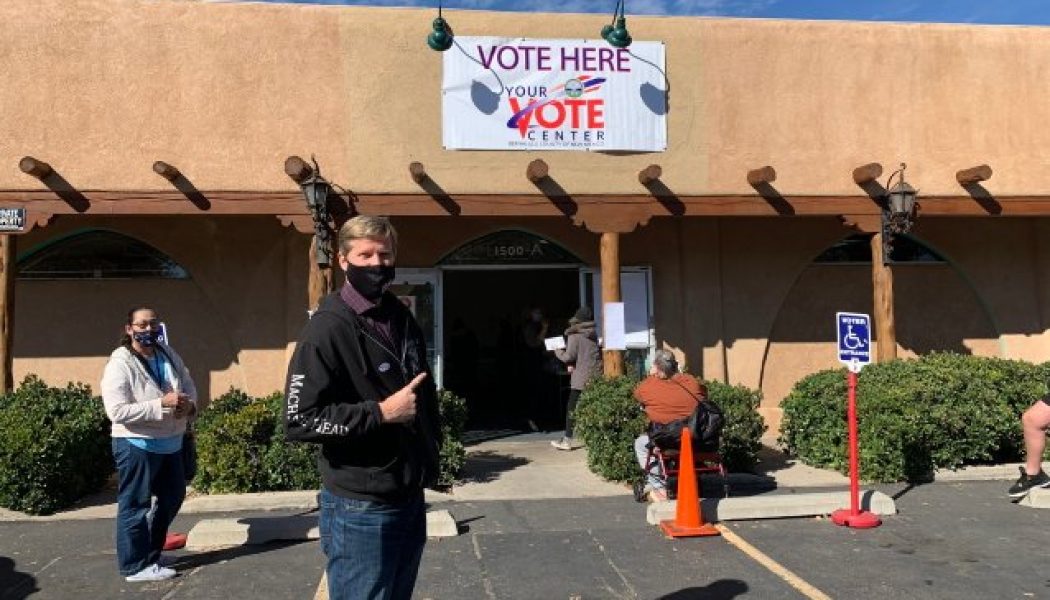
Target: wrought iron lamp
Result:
[616, 33]
[899, 211]
[315, 190]
[441, 38]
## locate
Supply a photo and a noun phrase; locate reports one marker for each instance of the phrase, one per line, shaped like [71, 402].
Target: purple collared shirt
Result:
[372, 312]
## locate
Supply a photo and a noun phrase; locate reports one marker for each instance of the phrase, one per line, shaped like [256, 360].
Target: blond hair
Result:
[367, 227]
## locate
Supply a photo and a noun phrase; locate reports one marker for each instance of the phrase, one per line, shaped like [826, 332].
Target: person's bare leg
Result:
[1035, 422]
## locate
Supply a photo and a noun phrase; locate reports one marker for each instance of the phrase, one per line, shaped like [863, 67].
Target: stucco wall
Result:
[231, 321]
[102, 88]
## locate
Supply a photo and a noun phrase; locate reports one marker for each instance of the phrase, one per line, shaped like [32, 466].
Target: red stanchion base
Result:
[676, 531]
[174, 541]
[861, 520]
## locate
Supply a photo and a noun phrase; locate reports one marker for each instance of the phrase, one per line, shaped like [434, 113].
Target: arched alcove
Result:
[936, 309]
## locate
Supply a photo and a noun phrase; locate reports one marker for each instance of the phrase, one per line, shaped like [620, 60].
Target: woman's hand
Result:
[170, 400]
[184, 408]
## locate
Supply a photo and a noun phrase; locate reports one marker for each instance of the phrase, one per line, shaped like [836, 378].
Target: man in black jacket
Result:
[360, 386]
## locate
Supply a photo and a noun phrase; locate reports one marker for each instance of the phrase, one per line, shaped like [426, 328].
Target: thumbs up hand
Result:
[400, 407]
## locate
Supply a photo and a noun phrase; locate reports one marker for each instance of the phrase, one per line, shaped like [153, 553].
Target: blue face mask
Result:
[145, 338]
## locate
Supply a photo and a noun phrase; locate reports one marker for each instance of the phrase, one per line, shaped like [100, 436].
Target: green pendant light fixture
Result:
[616, 33]
[442, 37]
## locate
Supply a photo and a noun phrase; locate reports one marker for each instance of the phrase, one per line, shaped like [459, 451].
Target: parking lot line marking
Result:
[322, 588]
[776, 568]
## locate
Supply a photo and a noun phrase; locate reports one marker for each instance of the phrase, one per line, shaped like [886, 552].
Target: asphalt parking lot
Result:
[949, 540]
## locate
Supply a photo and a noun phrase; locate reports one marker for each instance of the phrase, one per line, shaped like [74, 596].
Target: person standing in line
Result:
[584, 360]
[149, 397]
[359, 385]
[1034, 422]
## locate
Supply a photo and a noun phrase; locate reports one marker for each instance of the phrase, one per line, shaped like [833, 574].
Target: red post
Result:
[854, 517]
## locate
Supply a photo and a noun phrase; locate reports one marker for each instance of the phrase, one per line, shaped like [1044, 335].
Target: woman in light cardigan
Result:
[149, 397]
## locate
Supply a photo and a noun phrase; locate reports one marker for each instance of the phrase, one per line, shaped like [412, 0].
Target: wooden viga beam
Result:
[417, 171]
[974, 175]
[166, 171]
[867, 173]
[34, 167]
[762, 175]
[537, 170]
[650, 174]
[297, 168]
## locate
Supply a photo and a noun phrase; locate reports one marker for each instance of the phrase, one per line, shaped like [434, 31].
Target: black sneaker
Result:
[1027, 482]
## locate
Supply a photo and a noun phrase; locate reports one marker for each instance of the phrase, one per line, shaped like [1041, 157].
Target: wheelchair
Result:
[662, 460]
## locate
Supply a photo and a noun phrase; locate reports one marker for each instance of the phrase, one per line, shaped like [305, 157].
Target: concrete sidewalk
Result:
[519, 467]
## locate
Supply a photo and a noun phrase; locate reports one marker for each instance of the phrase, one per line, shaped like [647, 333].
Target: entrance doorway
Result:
[495, 319]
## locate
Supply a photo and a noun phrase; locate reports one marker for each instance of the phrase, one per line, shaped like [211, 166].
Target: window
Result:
[99, 255]
[856, 249]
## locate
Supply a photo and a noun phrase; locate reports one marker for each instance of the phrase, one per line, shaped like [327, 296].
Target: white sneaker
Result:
[153, 572]
[562, 444]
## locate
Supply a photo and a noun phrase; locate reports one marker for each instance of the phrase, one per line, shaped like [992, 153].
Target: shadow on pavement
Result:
[723, 589]
[199, 559]
[15, 585]
[487, 465]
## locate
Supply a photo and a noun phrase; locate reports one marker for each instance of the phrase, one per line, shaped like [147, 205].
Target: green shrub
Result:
[54, 446]
[744, 425]
[940, 411]
[608, 419]
[241, 446]
[453, 420]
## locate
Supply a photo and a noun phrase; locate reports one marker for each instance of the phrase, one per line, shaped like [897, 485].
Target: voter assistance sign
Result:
[518, 94]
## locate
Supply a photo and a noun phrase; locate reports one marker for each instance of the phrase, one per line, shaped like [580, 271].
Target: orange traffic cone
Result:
[688, 521]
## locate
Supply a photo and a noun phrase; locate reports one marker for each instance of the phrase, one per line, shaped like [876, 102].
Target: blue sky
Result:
[1018, 12]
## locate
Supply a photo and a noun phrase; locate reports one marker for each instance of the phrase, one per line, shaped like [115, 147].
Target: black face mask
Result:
[370, 282]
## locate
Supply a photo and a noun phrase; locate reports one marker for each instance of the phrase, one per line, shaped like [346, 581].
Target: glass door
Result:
[420, 290]
[636, 292]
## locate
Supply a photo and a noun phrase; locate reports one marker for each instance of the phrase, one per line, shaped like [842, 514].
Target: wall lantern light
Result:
[898, 211]
[616, 33]
[441, 38]
[315, 190]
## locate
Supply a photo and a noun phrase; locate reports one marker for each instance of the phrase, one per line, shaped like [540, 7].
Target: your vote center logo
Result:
[536, 106]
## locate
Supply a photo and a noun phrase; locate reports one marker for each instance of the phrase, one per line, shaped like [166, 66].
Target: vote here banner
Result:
[524, 94]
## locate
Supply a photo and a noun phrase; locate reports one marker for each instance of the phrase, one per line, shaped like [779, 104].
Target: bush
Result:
[608, 419]
[453, 420]
[54, 446]
[241, 446]
[744, 425]
[940, 411]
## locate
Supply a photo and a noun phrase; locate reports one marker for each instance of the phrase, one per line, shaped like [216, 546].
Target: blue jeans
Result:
[142, 474]
[641, 451]
[373, 548]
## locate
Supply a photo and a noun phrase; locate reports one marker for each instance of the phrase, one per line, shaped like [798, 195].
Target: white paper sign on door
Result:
[615, 338]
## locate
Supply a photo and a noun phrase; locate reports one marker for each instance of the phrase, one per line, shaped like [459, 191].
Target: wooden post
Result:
[8, 269]
[882, 282]
[321, 280]
[610, 257]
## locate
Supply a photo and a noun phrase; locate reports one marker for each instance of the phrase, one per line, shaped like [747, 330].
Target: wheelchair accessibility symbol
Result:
[852, 341]
[854, 338]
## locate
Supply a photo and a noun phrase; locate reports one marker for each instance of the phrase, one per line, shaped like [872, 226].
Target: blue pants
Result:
[142, 474]
[373, 548]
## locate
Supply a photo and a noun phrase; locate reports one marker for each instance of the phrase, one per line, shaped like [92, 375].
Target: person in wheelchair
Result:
[667, 396]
